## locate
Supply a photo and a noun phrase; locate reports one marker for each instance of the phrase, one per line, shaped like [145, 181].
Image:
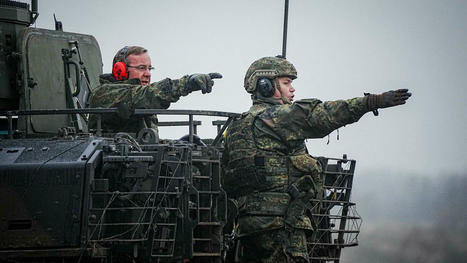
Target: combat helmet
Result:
[268, 67]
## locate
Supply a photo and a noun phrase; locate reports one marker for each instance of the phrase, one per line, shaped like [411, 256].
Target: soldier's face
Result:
[286, 89]
[139, 67]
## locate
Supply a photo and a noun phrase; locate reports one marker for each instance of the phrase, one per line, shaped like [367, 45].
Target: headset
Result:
[261, 80]
[120, 69]
[265, 87]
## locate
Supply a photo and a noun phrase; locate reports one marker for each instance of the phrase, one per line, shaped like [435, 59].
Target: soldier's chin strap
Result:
[282, 100]
[277, 86]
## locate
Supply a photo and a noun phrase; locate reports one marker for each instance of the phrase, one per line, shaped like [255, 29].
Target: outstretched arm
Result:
[311, 118]
[161, 94]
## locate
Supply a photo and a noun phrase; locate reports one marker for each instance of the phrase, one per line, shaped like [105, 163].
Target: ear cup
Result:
[265, 87]
[120, 71]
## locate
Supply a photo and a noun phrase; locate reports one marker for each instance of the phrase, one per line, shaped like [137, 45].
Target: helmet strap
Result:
[284, 99]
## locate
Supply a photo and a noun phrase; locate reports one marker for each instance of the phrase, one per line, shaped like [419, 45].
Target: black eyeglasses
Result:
[141, 67]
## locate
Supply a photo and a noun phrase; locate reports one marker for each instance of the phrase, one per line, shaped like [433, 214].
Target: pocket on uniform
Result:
[268, 204]
[306, 164]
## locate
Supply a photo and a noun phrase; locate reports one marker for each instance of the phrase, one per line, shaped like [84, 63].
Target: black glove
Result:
[201, 82]
[387, 99]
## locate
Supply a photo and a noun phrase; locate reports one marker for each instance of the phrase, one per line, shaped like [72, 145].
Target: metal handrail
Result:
[137, 112]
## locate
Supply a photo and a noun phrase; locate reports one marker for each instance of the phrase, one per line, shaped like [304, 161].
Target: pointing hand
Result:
[203, 82]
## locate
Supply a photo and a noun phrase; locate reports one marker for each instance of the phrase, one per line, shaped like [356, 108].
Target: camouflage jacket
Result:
[265, 154]
[129, 95]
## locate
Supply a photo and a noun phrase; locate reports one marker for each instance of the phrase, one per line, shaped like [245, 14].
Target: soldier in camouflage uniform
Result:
[137, 92]
[267, 167]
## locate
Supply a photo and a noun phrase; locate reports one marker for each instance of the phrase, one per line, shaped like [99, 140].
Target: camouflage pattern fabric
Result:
[265, 158]
[129, 95]
[277, 246]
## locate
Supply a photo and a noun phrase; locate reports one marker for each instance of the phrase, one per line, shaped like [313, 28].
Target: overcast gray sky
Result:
[340, 48]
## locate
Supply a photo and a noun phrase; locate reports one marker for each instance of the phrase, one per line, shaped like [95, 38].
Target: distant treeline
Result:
[410, 218]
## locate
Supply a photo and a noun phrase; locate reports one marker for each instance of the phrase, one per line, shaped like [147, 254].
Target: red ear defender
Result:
[119, 71]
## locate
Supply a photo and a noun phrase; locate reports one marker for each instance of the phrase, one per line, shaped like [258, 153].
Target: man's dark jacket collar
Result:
[110, 79]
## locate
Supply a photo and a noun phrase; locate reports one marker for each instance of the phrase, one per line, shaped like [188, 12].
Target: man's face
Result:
[139, 67]
[286, 89]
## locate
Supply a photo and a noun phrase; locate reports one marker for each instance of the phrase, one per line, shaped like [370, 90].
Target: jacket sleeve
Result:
[311, 118]
[157, 95]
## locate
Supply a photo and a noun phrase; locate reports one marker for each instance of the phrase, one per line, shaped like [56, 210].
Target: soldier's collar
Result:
[270, 100]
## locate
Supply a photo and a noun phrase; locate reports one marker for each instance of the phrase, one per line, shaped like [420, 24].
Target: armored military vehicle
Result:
[72, 194]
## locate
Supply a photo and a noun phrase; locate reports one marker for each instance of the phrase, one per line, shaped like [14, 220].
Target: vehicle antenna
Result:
[284, 36]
